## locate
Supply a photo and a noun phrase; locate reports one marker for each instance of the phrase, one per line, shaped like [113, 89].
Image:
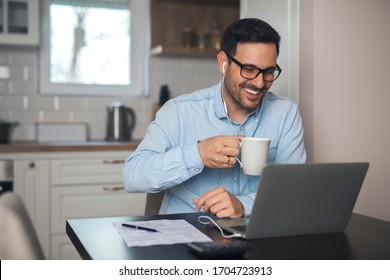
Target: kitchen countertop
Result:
[68, 146]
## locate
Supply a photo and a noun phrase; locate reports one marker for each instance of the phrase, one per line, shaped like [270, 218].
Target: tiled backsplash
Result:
[20, 99]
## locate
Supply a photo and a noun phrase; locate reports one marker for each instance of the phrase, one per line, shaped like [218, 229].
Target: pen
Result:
[141, 228]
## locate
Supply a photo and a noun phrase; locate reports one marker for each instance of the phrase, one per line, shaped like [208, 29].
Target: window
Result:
[95, 48]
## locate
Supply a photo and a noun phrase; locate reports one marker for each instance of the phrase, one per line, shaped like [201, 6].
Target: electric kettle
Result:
[120, 122]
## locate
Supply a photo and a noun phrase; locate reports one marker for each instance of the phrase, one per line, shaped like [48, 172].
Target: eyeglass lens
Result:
[269, 75]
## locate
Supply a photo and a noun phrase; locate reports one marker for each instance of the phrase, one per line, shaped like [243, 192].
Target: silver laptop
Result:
[299, 199]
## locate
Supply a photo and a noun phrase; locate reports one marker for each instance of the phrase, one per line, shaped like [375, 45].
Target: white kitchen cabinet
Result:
[19, 22]
[80, 201]
[31, 182]
[70, 202]
[71, 185]
[85, 188]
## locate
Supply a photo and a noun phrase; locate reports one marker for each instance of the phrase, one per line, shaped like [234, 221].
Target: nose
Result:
[258, 81]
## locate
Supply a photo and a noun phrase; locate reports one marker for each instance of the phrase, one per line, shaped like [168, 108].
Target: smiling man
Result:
[190, 150]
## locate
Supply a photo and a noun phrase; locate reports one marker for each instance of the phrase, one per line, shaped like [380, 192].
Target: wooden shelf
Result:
[181, 51]
[206, 19]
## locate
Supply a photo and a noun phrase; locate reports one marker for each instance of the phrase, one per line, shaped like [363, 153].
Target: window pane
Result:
[89, 45]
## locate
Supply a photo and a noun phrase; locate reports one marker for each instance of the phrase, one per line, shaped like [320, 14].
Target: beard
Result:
[234, 93]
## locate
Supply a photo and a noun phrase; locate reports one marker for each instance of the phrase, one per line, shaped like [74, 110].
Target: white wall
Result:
[283, 15]
[344, 96]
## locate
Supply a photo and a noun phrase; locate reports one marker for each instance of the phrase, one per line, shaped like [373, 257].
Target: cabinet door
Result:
[72, 202]
[19, 22]
[31, 182]
[87, 171]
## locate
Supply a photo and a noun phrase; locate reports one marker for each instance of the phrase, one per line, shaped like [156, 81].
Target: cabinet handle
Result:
[113, 161]
[31, 164]
[113, 189]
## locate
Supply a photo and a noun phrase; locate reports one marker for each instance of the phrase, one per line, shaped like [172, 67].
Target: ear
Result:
[222, 59]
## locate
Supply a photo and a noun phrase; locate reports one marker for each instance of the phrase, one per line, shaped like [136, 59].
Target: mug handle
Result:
[239, 146]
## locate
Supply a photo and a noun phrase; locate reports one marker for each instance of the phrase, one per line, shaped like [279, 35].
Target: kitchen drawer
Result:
[72, 202]
[89, 171]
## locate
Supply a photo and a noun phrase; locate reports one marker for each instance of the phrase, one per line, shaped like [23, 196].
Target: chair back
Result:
[153, 203]
[18, 238]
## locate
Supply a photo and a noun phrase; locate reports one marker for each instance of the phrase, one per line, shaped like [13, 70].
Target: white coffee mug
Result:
[254, 155]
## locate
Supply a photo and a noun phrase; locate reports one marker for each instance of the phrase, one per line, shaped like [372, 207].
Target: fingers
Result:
[231, 161]
[220, 203]
[207, 195]
[219, 151]
[213, 197]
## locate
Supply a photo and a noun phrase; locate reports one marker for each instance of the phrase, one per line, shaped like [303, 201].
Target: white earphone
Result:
[225, 107]
[224, 103]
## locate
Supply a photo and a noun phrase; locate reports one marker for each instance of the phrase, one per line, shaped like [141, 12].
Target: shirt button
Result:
[197, 169]
[235, 178]
[242, 128]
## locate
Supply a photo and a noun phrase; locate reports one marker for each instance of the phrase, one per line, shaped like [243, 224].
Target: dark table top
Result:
[365, 238]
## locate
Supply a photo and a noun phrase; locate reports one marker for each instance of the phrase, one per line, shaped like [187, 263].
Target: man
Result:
[190, 150]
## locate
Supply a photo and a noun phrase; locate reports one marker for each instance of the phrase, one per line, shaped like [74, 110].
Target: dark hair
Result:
[248, 30]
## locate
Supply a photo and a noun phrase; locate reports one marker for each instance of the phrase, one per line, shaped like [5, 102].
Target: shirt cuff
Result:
[247, 203]
[192, 160]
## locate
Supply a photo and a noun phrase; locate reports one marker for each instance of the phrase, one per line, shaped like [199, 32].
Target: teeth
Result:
[251, 91]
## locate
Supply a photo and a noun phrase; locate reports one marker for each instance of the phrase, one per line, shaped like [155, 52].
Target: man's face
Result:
[242, 93]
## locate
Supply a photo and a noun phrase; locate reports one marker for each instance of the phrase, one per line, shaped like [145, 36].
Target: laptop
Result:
[300, 199]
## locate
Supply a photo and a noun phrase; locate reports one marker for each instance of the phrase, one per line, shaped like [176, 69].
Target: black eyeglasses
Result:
[250, 72]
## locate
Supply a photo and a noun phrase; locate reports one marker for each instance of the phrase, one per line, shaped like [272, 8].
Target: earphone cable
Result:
[210, 220]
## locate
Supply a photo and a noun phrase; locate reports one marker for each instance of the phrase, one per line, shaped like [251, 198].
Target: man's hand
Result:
[220, 151]
[221, 203]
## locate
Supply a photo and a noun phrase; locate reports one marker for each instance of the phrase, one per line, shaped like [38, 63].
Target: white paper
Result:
[170, 232]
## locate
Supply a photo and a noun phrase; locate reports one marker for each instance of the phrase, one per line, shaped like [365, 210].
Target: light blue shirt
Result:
[168, 158]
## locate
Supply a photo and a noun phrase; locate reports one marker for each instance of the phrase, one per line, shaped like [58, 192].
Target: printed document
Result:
[169, 232]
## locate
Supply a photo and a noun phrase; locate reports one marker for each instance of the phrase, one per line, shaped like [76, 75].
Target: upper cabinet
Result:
[19, 22]
[190, 27]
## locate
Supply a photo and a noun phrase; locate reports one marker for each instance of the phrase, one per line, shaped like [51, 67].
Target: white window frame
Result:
[140, 59]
